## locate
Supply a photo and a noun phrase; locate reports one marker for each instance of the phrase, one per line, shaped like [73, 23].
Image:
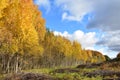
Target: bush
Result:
[107, 58]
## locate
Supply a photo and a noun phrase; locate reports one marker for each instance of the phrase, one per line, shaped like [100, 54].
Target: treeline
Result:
[25, 43]
[59, 51]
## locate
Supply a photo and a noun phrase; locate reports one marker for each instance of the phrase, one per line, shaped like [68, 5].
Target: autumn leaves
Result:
[27, 43]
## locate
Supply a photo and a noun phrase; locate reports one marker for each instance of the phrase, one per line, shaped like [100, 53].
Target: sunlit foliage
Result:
[25, 43]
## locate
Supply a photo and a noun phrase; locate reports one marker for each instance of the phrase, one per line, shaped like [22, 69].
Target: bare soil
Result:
[28, 76]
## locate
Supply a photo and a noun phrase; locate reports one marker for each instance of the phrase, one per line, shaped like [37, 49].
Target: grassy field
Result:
[67, 75]
[62, 75]
[104, 71]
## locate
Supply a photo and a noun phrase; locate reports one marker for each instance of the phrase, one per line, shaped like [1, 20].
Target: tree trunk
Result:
[8, 67]
[17, 64]
[8, 63]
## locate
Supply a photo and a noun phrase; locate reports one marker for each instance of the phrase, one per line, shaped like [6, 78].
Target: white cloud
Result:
[105, 16]
[110, 53]
[75, 10]
[88, 40]
[111, 40]
[44, 3]
[69, 17]
[106, 12]
[103, 51]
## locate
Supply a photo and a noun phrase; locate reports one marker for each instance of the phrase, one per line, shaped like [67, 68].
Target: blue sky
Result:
[54, 21]
[86, 21]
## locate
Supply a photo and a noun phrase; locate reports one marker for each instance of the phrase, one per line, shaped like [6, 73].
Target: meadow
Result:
[102, 71]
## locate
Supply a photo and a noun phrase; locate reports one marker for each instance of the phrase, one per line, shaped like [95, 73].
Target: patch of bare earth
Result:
[66, 70]
[112, 75]
[28, 76]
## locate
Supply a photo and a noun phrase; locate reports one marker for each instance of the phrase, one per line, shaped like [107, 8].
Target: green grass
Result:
[66, 76]
[2, 76]
[42, 70]
[74, 76]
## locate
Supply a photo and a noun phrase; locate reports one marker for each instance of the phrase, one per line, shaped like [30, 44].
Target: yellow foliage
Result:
[18, 19]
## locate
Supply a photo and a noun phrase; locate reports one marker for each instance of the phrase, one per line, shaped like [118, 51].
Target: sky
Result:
[95, 24]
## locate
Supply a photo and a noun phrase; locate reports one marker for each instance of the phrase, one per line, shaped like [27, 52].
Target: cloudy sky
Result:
[93, 23]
